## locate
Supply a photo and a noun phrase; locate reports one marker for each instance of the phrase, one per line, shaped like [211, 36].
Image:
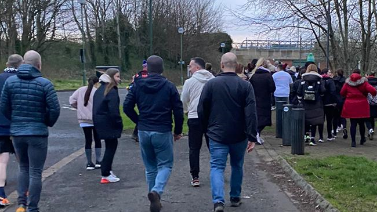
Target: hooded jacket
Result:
[356, 90]
[156, 98]
[329, 97]
[339, 82]
[314, 113]
[30, 102]
[84, 113]
[191, 91]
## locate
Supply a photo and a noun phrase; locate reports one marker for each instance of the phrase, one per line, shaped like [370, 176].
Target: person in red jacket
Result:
[356, 106]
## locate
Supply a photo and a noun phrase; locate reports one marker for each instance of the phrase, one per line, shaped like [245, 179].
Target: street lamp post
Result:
[222, 45]
[181, 31]
[83, 3]
[150, 28]
[328, 34]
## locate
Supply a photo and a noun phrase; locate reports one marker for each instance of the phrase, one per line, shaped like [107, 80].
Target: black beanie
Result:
[155, 64]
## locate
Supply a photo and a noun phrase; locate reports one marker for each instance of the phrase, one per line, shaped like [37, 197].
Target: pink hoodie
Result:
[84, 114]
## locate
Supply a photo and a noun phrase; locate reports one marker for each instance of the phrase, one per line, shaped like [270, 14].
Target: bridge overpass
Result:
[291, 52]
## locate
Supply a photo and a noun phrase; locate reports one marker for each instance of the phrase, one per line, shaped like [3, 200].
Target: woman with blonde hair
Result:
[107, 120]
[264, 86]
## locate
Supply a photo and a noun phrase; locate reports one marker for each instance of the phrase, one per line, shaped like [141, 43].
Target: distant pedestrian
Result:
[82, 100]
[341, 123]
[227, 111]
[6, 146]
[356, 107]
[30, 103]
[190, 98]
[107, 120]
[157, 99]
[310, 93]
[264, 87]
[329, 102]
[372, 100]
[282, 82]
[240, 71]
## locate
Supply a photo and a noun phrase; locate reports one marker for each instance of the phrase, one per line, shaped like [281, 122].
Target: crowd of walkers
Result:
[229, 109]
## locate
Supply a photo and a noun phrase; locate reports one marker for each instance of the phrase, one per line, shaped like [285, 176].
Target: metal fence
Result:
[275, 45]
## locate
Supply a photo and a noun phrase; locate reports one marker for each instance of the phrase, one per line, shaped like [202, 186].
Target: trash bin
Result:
[298, 128]
[287, 124]
[279, 118]
[102, 69]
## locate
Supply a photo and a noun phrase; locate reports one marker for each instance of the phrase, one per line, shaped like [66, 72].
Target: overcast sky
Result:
[237, 33]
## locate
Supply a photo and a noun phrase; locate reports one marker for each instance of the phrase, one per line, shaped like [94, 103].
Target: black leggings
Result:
[89, 138]
[370, 123]
[313, 129]
[354, 123]
[330, 113]
[107, 161]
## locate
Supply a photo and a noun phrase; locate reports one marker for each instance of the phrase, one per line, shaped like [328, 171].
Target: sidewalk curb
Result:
[298, 179]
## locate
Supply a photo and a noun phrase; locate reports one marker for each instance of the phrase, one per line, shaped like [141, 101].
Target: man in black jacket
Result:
[156, 98]
[227, 110]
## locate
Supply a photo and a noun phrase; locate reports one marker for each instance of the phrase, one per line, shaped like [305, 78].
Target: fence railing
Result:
[275, 45]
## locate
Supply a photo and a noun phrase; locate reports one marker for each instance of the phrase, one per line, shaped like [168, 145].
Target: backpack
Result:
[310, 91]
[372, 100]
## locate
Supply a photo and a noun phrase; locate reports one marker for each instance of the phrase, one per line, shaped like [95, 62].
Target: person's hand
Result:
[177, 137]
[250, 146]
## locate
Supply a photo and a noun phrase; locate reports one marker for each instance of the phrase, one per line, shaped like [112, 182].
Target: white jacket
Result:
[191, 91]
[84, 114]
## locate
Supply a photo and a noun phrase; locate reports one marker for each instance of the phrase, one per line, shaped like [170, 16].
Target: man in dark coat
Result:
[341, 123]
[29, 101]
[372, 100]
[227, 111]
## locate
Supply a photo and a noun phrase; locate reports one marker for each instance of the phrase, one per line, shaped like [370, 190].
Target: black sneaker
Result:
[154, 198]
[90, 166]
[345, 134]
[98, 165]
[219, 207]
[362, 141]
[235, 202]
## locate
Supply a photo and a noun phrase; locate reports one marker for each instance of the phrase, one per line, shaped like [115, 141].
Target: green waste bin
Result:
[298, 128]
[279, 118]
[287, 124]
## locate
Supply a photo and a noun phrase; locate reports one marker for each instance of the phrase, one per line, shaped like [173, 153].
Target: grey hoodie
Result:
[191, 91]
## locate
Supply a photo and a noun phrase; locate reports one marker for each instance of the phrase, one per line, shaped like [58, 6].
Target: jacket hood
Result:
[262, 69]
[311, 77]
[105, 78]
[26, 71]
[203, 76]
[356, 80]
[152, 84]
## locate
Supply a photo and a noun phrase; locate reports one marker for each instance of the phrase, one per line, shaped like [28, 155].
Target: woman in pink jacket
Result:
[82, 100]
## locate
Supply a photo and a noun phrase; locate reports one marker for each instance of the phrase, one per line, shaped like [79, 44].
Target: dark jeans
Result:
[370, 123]
[354, 123]
[32, 153]
[107, 160]
[313, 129]
[88, 132]
[195, 143]
[330, 113]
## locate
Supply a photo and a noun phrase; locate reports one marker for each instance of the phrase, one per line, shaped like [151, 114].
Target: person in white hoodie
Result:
[190, 98]
[82, 100]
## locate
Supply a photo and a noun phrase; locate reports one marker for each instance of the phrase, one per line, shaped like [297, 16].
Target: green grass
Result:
[129, 126]
[66, 84]
[349, 183]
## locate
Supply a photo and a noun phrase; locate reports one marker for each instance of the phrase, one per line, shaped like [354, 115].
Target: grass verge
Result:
[349, 183]
[66, 84]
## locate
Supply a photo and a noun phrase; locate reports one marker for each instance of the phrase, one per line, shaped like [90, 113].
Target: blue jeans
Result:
[157, 152]
[219, 155]
[32, 153]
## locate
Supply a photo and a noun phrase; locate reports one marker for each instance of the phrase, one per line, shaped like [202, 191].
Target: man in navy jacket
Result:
[228, 112]
[156, 98]
[30, 102]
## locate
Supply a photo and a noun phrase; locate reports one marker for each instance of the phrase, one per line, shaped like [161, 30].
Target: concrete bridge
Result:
[291, 52]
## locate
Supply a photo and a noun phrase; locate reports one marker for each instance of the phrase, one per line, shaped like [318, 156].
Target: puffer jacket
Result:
[30, 102]
[356, 90]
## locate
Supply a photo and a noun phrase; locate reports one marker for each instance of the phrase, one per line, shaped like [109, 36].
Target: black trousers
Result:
[108, 157]
[195, 143]
[330, 113]
[354, 123]
[370, 123]
[89, 133]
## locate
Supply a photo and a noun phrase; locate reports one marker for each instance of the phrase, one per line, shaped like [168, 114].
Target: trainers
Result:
[4, 202]
[312, 143]
[109, 179]
[273, 108]
[259, 139]
[345, 134]
[370, 134]
[362, 141]
[235, 202]
[21, 208]
[154, 198]
[112, 174]
[307, 138]
[330, 139]
[98, 165]
[90, 166]
[195, 182]
[218, 207]
[321, 140]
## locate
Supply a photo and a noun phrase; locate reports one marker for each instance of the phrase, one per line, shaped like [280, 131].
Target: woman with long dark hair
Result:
[107, 120]
[82, 100]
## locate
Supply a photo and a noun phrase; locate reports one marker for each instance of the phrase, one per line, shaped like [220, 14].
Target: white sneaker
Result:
[109, 179]
[259, 139]
[321, 140]
[112, 174]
